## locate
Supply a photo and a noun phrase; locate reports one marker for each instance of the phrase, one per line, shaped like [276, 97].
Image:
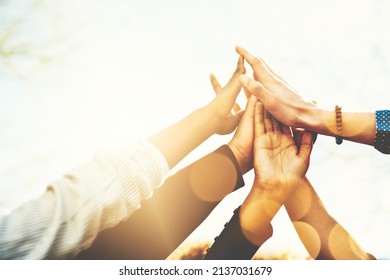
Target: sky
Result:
[97, 73]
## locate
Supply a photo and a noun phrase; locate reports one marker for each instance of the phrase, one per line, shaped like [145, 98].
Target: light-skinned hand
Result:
[278, 97]
[226, 100]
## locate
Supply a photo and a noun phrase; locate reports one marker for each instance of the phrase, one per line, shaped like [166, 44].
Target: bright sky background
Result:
[114, 70]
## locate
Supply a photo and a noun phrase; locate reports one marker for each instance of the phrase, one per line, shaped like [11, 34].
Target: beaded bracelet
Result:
[339, 125]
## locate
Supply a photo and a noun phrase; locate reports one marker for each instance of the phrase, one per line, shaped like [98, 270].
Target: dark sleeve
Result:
[166, 219]
[231, 244]
[382, 136]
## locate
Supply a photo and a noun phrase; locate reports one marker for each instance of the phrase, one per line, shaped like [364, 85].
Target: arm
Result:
[323, 236]
[69, 214]
[182, 203]
[285, 104]
[107, 190]
[174, 211]
[279, 167]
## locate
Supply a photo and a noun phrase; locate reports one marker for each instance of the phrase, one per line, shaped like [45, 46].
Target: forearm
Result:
[97, 195]
[323, 237]
[180, 205]
[249, 227]
[257, 212]
[234, 244]
[245, 162]
[176, 141]
[356, 126]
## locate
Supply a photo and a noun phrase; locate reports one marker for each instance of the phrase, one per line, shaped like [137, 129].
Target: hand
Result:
[242, 141]
[277, 96]
[222, 105]
[279, 167]
[279, 164]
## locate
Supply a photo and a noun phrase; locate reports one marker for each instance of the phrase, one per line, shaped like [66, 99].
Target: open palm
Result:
[277, 160]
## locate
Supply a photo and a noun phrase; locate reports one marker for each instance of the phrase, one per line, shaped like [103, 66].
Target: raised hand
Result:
[242, 142]
[226, 100]
[278, 162]
[277, 96]
[288, 107]
[279, 166]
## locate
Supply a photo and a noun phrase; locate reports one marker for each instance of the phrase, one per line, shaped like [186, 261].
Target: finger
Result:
[272, 71]
[216, 85]
[232, 122]
[268, 121]
[250, 108]
[259, 120]
[238, 116]
[233, 82]
[297, 134]
[236, 108]
[275, 124]
[240, 69]
[256, 88]
[286, 130]
[306, 145]
[248, 94]
[260, 70]
[278, 76]
[252, 100]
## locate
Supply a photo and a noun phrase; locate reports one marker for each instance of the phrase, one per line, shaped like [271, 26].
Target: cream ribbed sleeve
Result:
[74, 209]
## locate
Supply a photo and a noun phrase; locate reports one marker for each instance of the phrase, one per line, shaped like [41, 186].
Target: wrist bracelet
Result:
[339, 125]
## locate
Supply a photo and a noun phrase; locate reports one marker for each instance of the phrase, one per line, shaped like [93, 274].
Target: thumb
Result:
[216, 85]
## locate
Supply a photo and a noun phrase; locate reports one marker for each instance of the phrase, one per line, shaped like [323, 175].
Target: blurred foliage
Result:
[35, 32]
[14, 16]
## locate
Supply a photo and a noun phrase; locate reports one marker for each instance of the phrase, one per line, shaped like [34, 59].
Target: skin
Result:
[279, 167]
[281, 160]
[321, 234]
[269, 191]
[287, 106]
[241, 143]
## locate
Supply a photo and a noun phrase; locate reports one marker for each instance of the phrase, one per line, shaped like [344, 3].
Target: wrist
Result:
[244, 161]
[357, 126]
[256, 214]
[309, 118]
[318, 120]
[276, 189]
[207, 118]
[213, 114]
